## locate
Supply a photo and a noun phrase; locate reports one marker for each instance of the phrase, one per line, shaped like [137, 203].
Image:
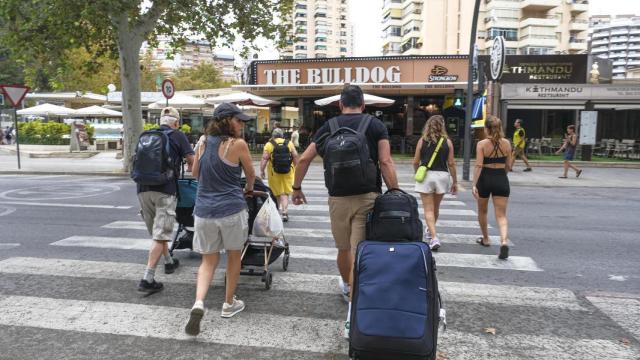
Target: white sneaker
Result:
[345, 330]
[427, 235]
[228, 310]
[434, 244]
[345, 289]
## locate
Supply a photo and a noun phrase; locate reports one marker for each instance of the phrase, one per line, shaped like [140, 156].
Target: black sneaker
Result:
[171, 268]
[527, 169]
[150, 287]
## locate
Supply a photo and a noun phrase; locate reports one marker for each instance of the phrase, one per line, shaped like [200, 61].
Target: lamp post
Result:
[469, 107]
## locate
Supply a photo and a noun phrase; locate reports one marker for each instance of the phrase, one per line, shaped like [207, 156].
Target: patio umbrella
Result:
[242, 98]
[97, 111]
[370, 100]
[47, 110]
[180, 101]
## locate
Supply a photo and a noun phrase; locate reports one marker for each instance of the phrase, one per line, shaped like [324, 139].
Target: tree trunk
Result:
[129, 49]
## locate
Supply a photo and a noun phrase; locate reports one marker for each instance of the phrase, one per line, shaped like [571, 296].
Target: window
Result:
[511, 51]
[536, 51]
[301, 6]
[301, 47]
[301, 15]
[320, 47]
[413, 25]
[321, 39]
[343, 33]
[321, 55]
[508, 34]
[343, 49]
[412, 43]
[301, 23]
[342, 42]
[320, 15]
[300, 56]
[392, 31]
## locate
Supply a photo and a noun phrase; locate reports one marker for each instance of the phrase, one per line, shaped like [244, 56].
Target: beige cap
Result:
[171, 111]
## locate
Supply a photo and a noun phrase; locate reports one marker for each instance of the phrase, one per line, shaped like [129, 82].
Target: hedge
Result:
[49, 133]
[185, 128]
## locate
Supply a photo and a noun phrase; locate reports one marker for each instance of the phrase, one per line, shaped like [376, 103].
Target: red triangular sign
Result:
[15, 93]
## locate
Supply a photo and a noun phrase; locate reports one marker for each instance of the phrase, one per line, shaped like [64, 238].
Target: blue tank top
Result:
[219, 192]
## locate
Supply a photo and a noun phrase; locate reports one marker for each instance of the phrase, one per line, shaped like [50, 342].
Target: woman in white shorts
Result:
[220, 214]
[439, 176]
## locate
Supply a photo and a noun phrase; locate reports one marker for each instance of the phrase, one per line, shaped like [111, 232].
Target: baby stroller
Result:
[256, 255]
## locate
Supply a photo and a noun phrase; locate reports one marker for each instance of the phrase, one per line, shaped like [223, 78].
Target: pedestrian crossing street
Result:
[303, 312]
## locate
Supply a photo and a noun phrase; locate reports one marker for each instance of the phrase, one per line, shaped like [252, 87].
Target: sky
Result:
[366, 16]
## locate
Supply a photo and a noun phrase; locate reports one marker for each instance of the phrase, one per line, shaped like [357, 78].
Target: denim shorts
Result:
[568, 154]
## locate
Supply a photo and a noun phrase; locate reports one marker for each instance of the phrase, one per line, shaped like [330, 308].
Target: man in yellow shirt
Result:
[519, 140]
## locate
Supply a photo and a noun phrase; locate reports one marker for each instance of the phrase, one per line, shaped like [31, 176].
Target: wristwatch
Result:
[298, 188]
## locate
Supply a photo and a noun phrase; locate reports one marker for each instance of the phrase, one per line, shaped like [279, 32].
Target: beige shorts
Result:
[159, 213]
[438, 182]
[348, 216]
[518, 151]
[215, 234]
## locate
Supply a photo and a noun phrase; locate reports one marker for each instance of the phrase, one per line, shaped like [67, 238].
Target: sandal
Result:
[504, 252]
[578, 173]
[562, 177]
[285, 217]
[480, 241]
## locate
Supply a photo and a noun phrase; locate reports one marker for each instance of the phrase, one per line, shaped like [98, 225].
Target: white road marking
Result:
[626, 312]
[105, 242]
[5, 210]
[323, 200]
[325, 208]
[248, 328]
[288, 281]
[28, 203]
[7, 246]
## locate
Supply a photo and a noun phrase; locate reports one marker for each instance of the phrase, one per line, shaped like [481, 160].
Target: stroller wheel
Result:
[285, 262]
[267, 279]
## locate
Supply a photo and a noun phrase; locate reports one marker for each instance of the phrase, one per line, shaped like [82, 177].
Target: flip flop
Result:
[480, 241]
[504, 252]
[578, 173]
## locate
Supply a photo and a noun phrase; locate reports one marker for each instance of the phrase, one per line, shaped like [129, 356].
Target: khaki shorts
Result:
[348, 216]
[159, 213]
[215, 234]
[518, 151]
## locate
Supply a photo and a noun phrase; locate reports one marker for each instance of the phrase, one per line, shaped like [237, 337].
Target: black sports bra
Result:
[493, 158]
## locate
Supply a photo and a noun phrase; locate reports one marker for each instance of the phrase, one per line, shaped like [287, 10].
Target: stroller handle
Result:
[261, 194]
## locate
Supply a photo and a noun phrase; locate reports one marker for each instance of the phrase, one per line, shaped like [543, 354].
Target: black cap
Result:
[226, 110]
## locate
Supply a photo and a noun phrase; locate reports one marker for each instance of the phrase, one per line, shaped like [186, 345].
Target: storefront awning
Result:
[617, 106]
[546, 106]
[373, 88]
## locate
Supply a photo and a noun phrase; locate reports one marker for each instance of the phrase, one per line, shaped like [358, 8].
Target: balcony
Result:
[578, 7]
[617, 55]
[634, 46]
[618, 77]
[619, 39]
[597, 43]
[600, 34]
[617, 32]
[578, 45]
[599, 50]
[634, 39]
[619, 70]
[539, 22]
[618, 47]
[532, 41]
[633, 55]
[634, 31]
[633, 63]
[539, 5]
[579, 25]
[620, 63]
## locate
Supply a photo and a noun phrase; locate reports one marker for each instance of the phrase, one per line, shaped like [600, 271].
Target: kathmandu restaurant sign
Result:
[570, 92]
[312, 72]
[556, 69]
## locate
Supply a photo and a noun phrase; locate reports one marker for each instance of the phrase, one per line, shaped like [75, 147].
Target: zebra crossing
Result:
[303, 312]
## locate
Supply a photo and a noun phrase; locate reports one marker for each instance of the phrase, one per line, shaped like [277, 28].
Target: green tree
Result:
[83, 71]
[201, 76]
[48, 29]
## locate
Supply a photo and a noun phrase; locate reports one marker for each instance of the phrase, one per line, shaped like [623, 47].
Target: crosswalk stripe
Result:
[318, 253]
[288, 281]
[325, 208]
[323, 195]
[323, 200]
[28, 203]
[315, 233]
[7, 246]
[624, 311]
[246, 329]
[478, 261]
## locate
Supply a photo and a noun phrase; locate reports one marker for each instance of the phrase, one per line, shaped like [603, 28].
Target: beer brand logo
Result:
[440, 74]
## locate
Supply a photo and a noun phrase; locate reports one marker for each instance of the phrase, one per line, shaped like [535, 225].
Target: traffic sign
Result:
[168, 89]
[15, 93]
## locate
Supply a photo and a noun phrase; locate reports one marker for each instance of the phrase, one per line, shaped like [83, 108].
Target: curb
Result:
[47, 172]
[557, 164]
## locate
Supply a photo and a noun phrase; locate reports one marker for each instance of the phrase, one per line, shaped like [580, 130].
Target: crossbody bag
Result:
[421, 173]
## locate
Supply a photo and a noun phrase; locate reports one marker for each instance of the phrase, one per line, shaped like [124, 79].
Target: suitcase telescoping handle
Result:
[395, 189]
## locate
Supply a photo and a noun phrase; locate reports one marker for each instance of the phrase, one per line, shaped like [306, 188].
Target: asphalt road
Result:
[72, 249]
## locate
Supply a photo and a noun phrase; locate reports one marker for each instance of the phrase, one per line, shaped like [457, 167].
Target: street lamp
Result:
[467, 116]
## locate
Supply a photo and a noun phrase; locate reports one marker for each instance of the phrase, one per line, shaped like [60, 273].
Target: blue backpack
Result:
[152, 163]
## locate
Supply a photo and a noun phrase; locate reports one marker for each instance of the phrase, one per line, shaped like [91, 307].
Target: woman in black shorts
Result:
[493, 156]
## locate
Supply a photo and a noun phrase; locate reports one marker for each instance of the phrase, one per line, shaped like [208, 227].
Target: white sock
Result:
[198, 304]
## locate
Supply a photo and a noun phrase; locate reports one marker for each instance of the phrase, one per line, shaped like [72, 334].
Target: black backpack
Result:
[281, 157]
[395, 217]
[152, 163]
[348, 167]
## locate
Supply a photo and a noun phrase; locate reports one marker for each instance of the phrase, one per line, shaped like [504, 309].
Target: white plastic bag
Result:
[268, 222]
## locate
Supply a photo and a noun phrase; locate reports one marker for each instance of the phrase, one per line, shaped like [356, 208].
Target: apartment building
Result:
[195, 52]
[618, 39]
[319, 29]
[536, 27]
[426, 27]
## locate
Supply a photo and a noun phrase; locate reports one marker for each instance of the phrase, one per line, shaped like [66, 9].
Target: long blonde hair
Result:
[495, 133]
[434, 129]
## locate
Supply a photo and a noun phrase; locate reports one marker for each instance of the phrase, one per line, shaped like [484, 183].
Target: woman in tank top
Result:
[439, 177]
[220, 214]
[493, 158]
[569, 147]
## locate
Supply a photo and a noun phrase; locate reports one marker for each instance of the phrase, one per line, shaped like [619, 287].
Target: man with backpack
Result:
[356, 153]
[156, 169]
[281, 156]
